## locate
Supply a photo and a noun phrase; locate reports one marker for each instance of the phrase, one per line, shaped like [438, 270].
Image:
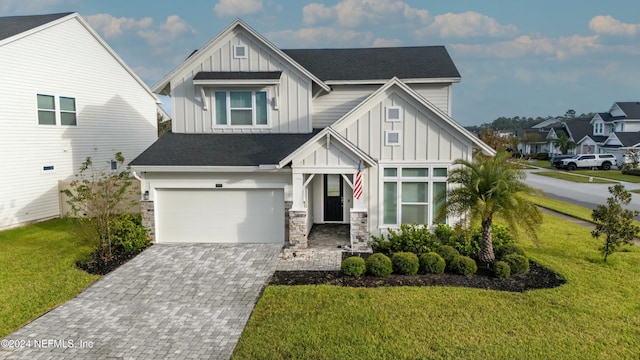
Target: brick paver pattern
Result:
[187, 301]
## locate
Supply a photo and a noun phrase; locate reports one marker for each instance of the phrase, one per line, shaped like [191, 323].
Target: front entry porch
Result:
[329, 236]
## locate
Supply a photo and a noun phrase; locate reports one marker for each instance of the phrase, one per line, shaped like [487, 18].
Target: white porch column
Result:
[297, 190]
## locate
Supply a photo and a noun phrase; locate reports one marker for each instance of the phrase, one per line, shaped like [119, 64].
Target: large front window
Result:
[240, 108]
[412, 194]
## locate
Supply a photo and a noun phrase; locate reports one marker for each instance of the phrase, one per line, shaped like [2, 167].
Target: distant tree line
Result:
[521, 122]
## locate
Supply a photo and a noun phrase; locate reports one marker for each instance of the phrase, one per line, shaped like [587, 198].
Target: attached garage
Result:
[219, 215]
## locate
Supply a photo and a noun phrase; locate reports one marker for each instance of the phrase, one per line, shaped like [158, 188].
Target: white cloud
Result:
[155, 34]
[525, 45]
[354, 13]
[237, 7]
[467, 24]
[321, 36]
[35, 6]
[610, 26]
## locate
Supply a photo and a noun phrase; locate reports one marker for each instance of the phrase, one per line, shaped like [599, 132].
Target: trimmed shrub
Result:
[507, 249]
[353, 266]
[448, 253]
[518, 263]
[502, 270]
[459, 238]
[463, 265]
[431, 263]
[405, 263]
[379, 265]
[541, 156]
[413, 238]
[128, 234]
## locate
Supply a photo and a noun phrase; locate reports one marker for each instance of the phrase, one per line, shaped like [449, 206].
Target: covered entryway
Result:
[220, 215]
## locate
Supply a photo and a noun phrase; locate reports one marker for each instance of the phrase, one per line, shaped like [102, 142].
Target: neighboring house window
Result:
[412, 194]
[239, 51]
[67, 111]
[240, 108]
[49, 113]
[392, 138]
[394, 114]
[46, 110]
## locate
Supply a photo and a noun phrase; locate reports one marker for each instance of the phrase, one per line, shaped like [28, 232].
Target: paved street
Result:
[188, 301]
[583, 194]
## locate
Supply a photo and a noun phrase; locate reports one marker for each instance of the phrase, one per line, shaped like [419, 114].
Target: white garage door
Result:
[220, 215]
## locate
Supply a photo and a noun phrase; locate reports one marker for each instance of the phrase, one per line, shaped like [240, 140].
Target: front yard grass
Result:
[595, 315]
[38, 272]
[569, 176]
[545, 164]
[610, 174]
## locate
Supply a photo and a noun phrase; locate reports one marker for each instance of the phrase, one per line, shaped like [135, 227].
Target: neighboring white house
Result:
[267, 142]
[66, 96]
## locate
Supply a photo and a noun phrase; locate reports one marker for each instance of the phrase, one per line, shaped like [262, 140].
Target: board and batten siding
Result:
[426, 139]
[293, 113]
[114, 113]
[330, 107]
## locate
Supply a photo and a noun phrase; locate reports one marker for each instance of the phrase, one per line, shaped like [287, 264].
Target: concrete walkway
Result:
[170, 302]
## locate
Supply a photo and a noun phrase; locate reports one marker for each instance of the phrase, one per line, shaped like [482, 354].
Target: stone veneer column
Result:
[287, 207]
[148, 217]
[298, 229]
[359, 234]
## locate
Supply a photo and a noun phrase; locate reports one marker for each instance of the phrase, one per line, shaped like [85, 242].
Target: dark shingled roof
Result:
[579, 127]
[628, 138]
[377, 63]
[606, 117]
[221, 149]
[631, 109]
[238, 75]
[14, 25]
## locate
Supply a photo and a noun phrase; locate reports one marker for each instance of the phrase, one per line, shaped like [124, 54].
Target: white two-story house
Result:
[66, 95]
[267, 142]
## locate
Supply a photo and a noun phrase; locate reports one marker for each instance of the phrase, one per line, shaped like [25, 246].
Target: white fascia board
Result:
[236, 82]
[384, 81]
[166, 80]
[197, 169]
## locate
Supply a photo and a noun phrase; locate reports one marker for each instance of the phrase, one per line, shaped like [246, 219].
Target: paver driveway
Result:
[170, 302]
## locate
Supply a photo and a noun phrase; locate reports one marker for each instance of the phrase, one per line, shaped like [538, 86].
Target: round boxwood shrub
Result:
[379, 265]
[448, 253]
[519, 264]
[502, 270]
[507, 249]
[431, 263]
[463, 265]
[405, 263]
[353, 266]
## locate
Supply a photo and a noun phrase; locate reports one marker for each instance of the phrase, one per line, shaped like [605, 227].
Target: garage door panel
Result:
[221, 215]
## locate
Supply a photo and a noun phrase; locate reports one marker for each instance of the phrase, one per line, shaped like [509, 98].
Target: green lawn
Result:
[37, 271]
[545, 164]
[570, 176]
[594, 316]
[611, 174]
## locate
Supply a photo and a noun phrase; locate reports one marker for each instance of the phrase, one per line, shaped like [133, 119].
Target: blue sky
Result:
[533, 58]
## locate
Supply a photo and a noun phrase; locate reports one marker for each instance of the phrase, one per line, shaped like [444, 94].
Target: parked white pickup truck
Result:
[589, 161]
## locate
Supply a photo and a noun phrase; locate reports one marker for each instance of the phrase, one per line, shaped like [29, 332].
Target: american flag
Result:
[357, 188]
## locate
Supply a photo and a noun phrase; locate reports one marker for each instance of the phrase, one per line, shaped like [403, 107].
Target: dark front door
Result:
[333, 197]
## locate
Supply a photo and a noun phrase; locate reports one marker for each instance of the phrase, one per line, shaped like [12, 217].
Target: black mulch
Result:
[99, 266]
[537, 278]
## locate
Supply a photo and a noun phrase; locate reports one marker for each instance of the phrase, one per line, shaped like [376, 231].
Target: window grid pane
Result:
[391, 172]
[241, 117]
[440, 172]
[261, 108]
[439, 199]
[67, 104]
[46, 102]
[414, 214]
[390, 205]
[68, 118]
[221, 108]
[46, 117]
[415, 172]
[240, 100]
[415, 192]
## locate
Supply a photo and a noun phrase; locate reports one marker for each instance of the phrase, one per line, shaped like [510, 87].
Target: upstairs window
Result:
[240, 108]
[394, 114]
[239, 52]
[46, 110]
[54, 110]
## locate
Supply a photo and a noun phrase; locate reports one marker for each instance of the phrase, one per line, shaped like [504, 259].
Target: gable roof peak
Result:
[14, 25]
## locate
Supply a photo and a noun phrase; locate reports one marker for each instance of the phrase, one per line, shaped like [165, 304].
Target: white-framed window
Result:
[53, 110]
[239, 51]
[393, 114]
[392, 138]
[240, 108]
[412, 194]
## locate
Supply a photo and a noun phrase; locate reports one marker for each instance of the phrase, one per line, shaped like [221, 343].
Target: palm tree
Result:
[488, 188]
[563, 143]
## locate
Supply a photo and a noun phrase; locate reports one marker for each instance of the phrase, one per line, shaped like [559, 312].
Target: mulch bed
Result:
[537, 278]
[98, 266]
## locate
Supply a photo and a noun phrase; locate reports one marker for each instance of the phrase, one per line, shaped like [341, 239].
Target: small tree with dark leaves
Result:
[615, 222]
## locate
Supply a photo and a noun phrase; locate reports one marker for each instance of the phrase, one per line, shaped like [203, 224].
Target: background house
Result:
[66, 96]
[268, 142]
